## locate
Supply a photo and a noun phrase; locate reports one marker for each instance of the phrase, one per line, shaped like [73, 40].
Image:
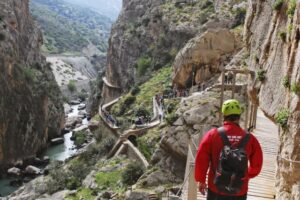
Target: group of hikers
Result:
[109, 118]
[230, 155]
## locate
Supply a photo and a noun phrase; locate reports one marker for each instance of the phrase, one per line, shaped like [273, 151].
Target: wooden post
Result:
[222, 97]
[255, 115]
[247, 109]
[233, 85]
[192, 185]
[251, 114]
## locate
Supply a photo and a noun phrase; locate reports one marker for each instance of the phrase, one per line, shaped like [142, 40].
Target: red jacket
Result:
[209, 152]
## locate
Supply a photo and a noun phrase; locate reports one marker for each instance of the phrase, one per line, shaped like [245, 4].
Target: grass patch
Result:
[143, 64]
[132, 173]
[277, 5]
[85, 193]
[29, 74]
[149, 142]
[72, 86]
[79, 138]
[286, 82]
[108, 179]
[261, 75]
[282, 117]
[171, 118]
[295, 87]
[157, 84]
[282, 35]
[291, 8]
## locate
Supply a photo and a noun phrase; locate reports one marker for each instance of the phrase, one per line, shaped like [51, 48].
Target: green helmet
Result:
[231, 107]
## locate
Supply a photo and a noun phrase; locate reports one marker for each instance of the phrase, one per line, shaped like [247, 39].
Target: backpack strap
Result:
[222, 133]
[244, 140]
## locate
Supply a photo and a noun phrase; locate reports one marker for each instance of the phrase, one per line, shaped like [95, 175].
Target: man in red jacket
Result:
[209, 153]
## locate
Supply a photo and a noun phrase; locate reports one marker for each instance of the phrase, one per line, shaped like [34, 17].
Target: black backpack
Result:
[232, 166]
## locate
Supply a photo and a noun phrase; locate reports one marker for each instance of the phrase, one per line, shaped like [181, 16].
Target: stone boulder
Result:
[32, 170]
[14, 171]
[93, 125]
[89, 181]
[72, 122]
[203, 56]
[57, 141]
[135, 195]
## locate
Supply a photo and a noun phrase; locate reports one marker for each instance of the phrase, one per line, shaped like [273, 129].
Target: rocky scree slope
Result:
[272, 36]
[148, 35]
[31, 106]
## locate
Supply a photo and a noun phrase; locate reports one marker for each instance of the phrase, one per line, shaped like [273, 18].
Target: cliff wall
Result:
[31, 106]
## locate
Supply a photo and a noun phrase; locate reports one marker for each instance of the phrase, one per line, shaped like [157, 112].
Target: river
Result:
[58, 152]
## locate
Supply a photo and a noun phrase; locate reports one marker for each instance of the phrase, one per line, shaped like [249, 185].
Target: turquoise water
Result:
[58, 152]
[6, 188]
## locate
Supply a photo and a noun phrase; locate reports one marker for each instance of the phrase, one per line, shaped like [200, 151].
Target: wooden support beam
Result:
[222, 97]
[233, 85]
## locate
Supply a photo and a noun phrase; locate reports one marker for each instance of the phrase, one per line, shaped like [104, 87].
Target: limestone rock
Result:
[89, 181]
[57, 141]
[32, 170]
[31, 103]
[14, 171]
[134, 195]
[279, 57]
[203, 54]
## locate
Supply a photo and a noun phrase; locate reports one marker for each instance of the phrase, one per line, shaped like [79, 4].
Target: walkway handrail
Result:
[109, 84]
[103, 108]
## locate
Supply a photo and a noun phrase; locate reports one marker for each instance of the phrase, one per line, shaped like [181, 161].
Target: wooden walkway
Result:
[261, 187]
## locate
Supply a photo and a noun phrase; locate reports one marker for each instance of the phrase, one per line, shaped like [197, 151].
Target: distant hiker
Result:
[225, 152]
[228, 78]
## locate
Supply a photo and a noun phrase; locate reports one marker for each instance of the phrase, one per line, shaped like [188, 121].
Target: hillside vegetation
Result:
[70, 28]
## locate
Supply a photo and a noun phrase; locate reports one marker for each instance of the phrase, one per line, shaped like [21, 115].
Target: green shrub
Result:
[129, 101]
[282, 35]
[29, 74]
[135, 90]
[171, 118]
[282, 117]
[82, 96]
[291, 8]
[141, 111]
[171, 107]
[143, 64]
[295, 87]
[108, 179]
[72, 86]
[66, 99]
[144, 148]
[132, 173]
[278, 4]
[286, 82]
[240, 15]
[73, 183]
[79, 138]
[2, 37]
[261, 75]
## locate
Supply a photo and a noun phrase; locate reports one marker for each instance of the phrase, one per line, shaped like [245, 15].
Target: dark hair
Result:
[232, 117]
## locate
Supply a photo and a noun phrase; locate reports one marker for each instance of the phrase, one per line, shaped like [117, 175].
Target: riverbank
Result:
[60, 152]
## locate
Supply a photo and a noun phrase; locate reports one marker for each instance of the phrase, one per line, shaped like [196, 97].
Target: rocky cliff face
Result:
[203, 56]
[31, 108]
[272, 36]
[153, 32]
